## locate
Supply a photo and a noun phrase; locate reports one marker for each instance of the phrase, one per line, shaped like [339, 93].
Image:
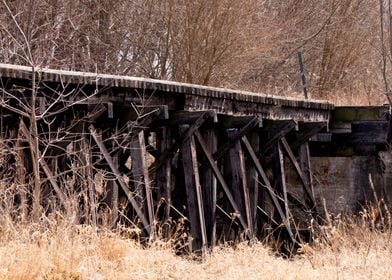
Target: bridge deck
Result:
[184, 96]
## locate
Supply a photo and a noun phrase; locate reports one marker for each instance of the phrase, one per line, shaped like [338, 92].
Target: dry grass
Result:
[57, 250]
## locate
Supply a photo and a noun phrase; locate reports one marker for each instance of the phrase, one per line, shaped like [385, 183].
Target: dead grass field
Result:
[62, 251]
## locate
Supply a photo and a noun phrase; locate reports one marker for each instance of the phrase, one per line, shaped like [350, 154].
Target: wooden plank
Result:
[238, 183]
[253, 179]
[220, 178]
[179, 117]
[279, 130]
[164, 173]
[141, 177]
[279, 175]
[227, 216]
[255, 122]
[180, 141]
[114, 195]
[119, 178]
[209, 189]
[235, 121]
[267, 185]
[304, 159]
[293, 160]
[195, 207]
[146, 114]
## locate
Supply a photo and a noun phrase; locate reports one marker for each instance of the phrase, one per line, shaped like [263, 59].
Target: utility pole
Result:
[301, 66]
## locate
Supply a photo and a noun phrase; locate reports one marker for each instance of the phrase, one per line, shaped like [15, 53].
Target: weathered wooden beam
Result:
[267, 184]
[145, 120]
[219, 177]
[293, 160]
[209, 189]
[229, 218]
[141, 177]
[234, 138]
[304, 159]
[113, 187]
[236, 121]
[119, 178]
[279, 175]
[238, 182]
[306, 131]
[164, 173]
[179, 117]
[267, 216]
[179, 142]
[279, 130]
[253, 178]
[194, 194]
[146, 112]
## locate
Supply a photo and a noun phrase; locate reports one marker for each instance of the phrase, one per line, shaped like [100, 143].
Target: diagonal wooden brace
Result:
[267, 184]
[298, 170]
[255, 122]
[180, 141]
[116, 172]
[221, 180]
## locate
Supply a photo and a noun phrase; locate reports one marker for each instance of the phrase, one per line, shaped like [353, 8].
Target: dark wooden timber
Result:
[293, 160]
[279, 130]
[181, 140]
[239, 183]
[220, 177]
[304, 159]
[209, 189]
[143, 194]
[194, 195]
[267, 184]
[163, 174]
[280, 177]
[253, 179]
[119, 179]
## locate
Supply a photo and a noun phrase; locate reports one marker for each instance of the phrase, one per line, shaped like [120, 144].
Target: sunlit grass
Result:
[59, 250]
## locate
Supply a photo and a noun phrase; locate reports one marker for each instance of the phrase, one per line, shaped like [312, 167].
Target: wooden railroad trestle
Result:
[213, 157]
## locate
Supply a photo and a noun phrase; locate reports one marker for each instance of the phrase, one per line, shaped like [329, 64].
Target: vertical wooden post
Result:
[304, 158]
[239, 183]
[279, 175]
[141, 177]
[113, 189]
[194, 193]
[209, 189]
[163, 173]
[253, 179]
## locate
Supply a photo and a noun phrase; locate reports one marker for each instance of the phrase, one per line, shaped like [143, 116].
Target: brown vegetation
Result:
[59, 250]
[247, 45]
